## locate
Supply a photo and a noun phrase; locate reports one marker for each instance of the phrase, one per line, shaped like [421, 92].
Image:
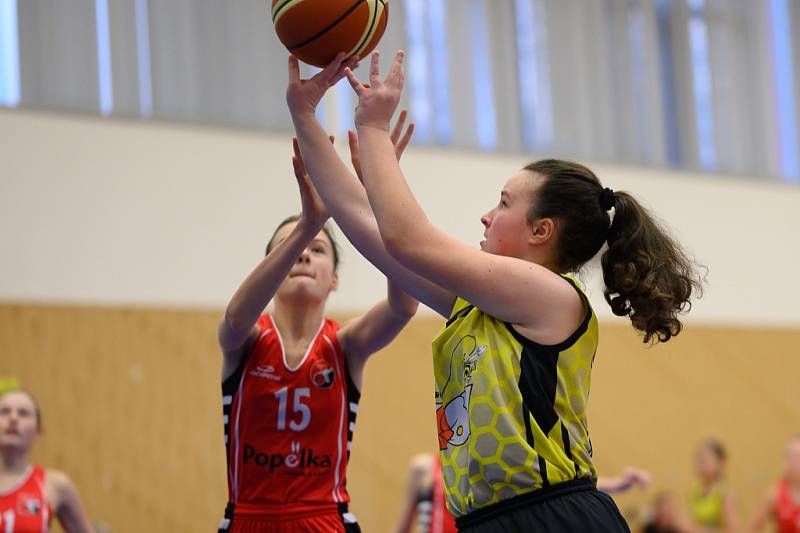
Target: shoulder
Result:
[59, 487]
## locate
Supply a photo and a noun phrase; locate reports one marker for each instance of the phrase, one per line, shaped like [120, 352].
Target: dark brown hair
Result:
[326, 228]
[648, 276]
[716, 447]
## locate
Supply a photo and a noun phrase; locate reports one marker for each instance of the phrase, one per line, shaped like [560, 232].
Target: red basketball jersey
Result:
[787, 511]
[24, 507]
[288, 430]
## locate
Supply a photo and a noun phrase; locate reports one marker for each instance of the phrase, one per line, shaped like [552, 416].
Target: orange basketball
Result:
[316, 30]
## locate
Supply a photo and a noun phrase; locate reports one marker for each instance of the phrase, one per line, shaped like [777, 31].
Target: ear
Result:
[335, 281]
[542, 231]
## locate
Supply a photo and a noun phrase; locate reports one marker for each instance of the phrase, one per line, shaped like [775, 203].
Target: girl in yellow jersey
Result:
[513, 363]
[711, 505]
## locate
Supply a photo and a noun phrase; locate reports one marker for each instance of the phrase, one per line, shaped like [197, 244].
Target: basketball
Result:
[316, 30]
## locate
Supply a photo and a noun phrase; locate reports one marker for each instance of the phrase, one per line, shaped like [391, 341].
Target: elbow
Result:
[234, 322]
[406, 309]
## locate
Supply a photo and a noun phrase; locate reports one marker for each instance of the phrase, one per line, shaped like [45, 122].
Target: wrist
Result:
[310, 227]
[374, 126]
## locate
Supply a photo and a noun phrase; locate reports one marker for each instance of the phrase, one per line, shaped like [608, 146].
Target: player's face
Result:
[706, 463]
[312, 275]
[506, 225]
[18, 424]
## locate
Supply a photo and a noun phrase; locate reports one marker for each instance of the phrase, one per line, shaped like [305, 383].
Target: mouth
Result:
[301, 275]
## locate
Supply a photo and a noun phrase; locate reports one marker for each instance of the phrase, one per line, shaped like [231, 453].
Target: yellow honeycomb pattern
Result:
[486, 457]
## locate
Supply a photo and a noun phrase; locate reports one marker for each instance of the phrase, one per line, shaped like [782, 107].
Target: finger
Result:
[294, 69]
[354, 83]
[330, 71]
[351, 64]
[299, 171]
[396, 71]
[352, 140]
[375, 69]
[398, 127]
[401, 146]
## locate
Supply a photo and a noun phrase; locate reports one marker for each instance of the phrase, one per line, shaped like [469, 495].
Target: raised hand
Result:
[399, 140]
[313, 208]
[378, 100]
[303, 96]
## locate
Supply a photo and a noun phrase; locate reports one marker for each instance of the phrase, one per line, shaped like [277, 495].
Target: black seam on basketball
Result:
[328, 28]
[280, 8]
[369, 30]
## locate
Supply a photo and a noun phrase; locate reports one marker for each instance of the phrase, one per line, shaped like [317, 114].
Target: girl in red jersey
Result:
[291, 378]
[782, 502]
[30, 494]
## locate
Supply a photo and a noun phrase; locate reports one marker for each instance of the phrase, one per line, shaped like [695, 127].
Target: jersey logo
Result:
[322, 375]
[266, 372]
[29, 505]
[298, 462]
[452, 418]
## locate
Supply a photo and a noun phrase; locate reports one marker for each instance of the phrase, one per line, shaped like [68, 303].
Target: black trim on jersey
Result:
[229, 516]
[538, 379]
[230, 387]
[352, 527]
[353, 395]
[461, 313]
[568, 447]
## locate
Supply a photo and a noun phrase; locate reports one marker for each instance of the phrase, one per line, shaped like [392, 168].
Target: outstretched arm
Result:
[238, 328]
[629, 478]
[493, 283]
[343, 194]
[368, 333]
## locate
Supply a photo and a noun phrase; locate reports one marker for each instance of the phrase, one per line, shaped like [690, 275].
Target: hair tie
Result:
[607, 199]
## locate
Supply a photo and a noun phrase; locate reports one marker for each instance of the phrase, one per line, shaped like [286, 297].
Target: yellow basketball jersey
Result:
[706, 509]
[511, 413]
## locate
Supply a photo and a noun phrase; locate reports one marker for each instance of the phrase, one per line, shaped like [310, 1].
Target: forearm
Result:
[400, 302]
[347, 202]
[343, 194]
[401, 220]
[260, 286]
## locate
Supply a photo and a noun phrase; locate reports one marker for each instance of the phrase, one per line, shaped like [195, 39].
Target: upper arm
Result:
[510, 289]
[68, 508]
[730, 516]
[368, 333]
[234, 350]
[764, 510]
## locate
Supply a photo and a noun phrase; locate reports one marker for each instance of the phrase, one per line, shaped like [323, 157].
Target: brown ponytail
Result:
[648, 276]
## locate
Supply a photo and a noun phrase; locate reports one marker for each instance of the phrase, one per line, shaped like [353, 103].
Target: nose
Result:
[305, 257]
[486, 219]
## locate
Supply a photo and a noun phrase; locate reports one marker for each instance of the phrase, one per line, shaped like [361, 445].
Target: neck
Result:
[709, 482]
[14, 461]
[298, 320]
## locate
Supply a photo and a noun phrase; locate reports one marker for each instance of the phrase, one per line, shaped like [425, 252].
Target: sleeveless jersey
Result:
[706, 509]
[288, 431]
[787, 511]
[511, 413]
[24, 507]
